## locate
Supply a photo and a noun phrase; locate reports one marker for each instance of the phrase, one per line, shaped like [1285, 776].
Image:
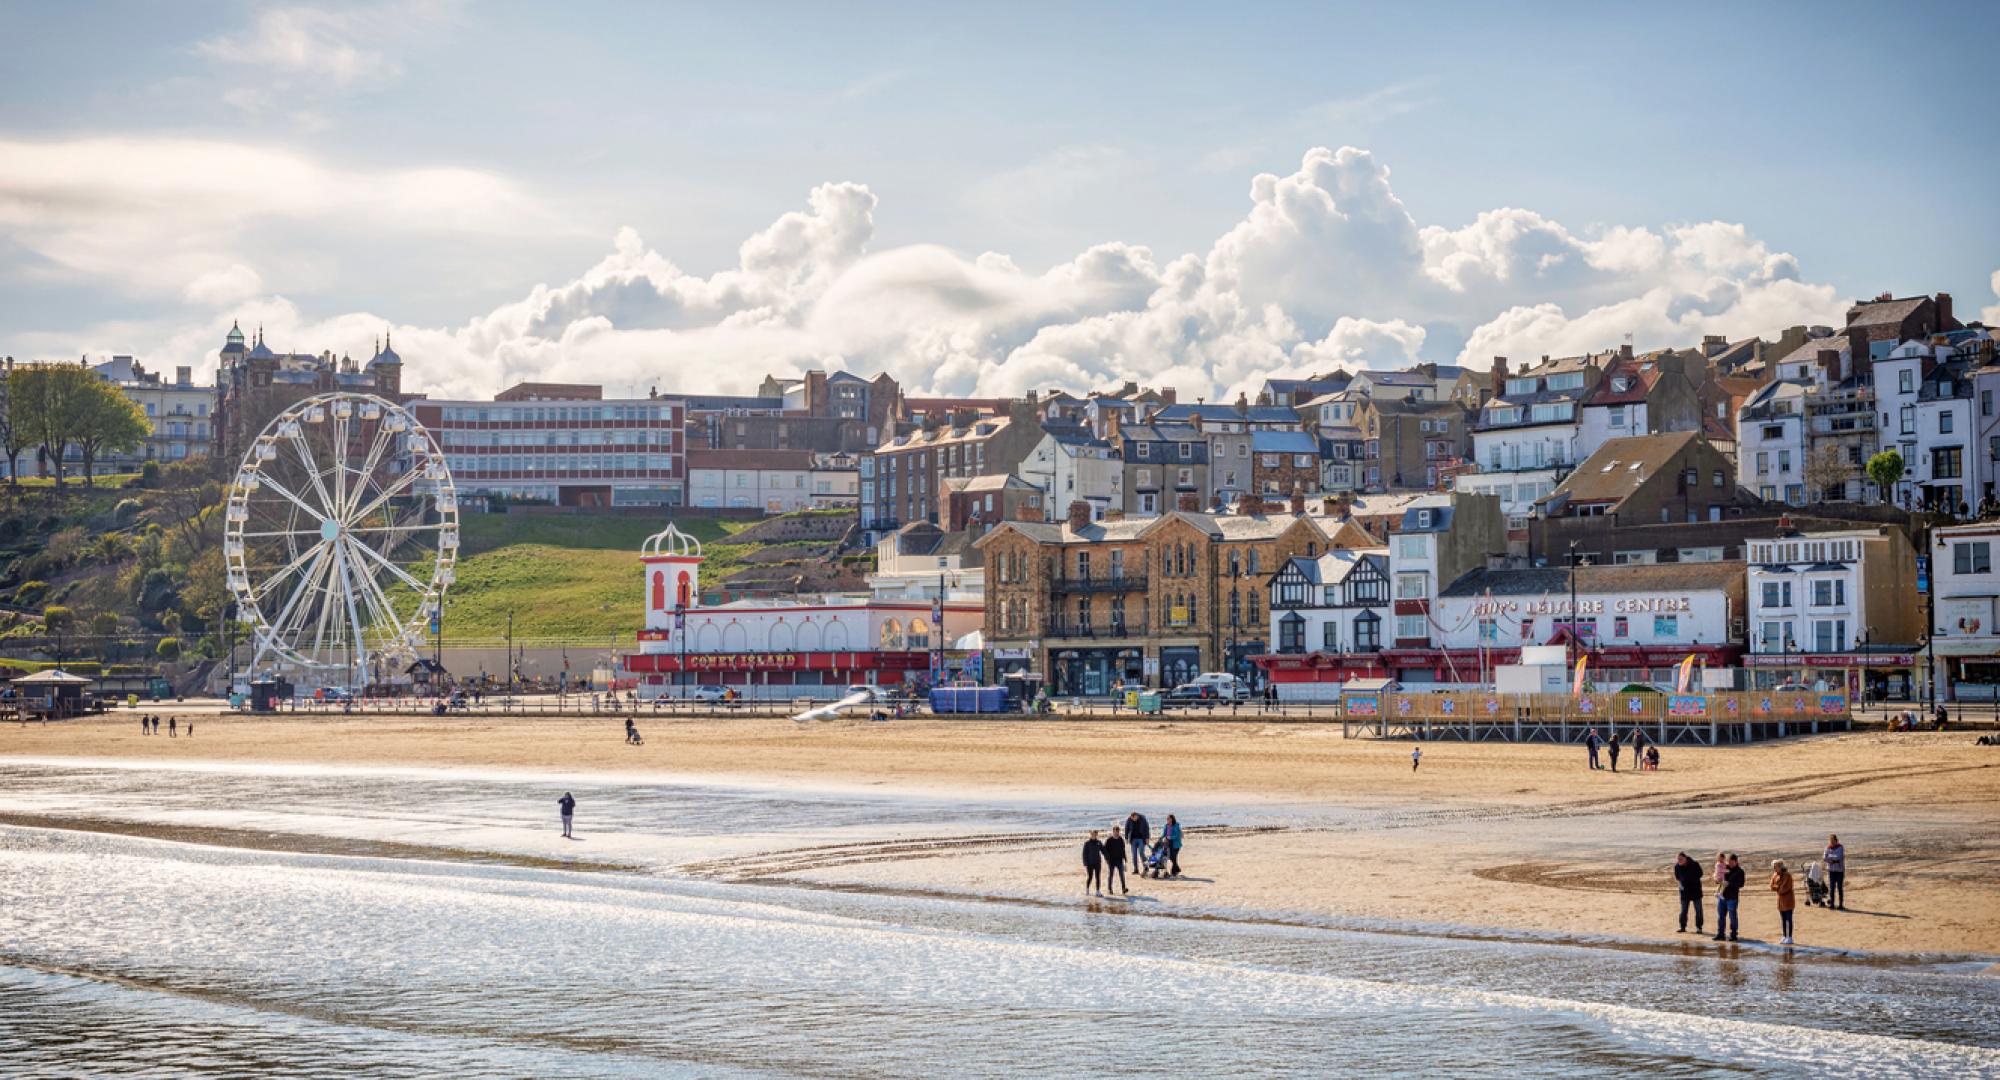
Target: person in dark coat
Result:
[1114, 861]
[567, 804]
[1688, 873]
[1590, 742]
[1137, 832]
[1614, 754]
[1725, 905]
[1093, 862]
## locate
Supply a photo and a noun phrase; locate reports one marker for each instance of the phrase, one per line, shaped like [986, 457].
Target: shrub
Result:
[169, 648]
[31, 593]
[127, 510]
[149, 476]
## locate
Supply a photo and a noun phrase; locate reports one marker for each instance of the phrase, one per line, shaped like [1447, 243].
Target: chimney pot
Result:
[1298, 502]
[1079, 515]
[1189, 501]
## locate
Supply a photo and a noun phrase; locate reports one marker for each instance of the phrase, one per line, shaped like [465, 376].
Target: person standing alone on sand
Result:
[1114, 861]
[1836, 873]
[1093, 859]
[1688, 873]
[1590, 743]
[567, 804]
[172, 724]
[1614, 754]
[1781, 883]
[1416, 757]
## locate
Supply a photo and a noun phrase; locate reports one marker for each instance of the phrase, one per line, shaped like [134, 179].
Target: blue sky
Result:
[324, 170]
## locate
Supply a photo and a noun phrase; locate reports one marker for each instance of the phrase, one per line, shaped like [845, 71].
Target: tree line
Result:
[54, 408]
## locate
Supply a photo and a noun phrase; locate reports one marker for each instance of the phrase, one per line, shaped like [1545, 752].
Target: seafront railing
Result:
[1710, 719]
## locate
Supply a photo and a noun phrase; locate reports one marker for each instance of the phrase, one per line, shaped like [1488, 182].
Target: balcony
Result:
[1106, 583]
[1089, 631]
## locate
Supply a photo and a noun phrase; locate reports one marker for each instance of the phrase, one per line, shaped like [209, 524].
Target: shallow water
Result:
[124, 956]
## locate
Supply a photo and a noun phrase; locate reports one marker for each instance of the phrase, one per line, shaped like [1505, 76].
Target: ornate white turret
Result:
[671, 562]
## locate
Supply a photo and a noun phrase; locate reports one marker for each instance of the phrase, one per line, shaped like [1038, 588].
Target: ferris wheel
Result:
[340, 538]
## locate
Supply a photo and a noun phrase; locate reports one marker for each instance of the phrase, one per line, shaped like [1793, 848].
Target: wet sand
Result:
[1491, 836]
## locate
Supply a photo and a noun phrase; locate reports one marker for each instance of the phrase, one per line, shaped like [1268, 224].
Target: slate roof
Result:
[1629, 578]
[1621, 466]
[1223, 412]
[1885, 312]
[1283, 442]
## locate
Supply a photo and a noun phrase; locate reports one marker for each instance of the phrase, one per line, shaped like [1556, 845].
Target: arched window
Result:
[1235, 608]
[1235, 563]
[920, 634]
[892, 635]
[659, 590]
[1253, 560]
[685, 593]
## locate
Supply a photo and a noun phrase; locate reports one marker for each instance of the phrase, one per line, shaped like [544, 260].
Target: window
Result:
[1187, 451]
[1944, 422]
[1829, 593]
[1718, 477]
[1145, 450]
[1909, 415]
[1413, 546]
[1763, 462]
[1621, 627]
[1411, 627]
[1666, 627]
[1489, 631]
[1368, 632]
[1292, 634]
[1330, 636]
[1986, 403]
[1618, 414]
[1829, 635]
[1777, 594]
[1906, 381]
[1974, 557]
[1946, 463]
[1410, 586]
[1528, 629]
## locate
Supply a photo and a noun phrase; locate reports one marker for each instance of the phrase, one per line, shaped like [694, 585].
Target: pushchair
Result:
[1816, 891]
[1159, 861]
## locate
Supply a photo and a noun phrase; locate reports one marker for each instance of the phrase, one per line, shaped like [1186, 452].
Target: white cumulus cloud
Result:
[1326, 268]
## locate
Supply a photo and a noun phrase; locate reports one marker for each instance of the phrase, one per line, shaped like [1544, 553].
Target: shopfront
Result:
[1179, 664]
[1094, 672]
[1867, 676]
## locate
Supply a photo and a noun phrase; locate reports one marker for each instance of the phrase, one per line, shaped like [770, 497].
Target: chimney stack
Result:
[1945, 321]
[1249, 505]
[1499, 374]
[1079, 515]
[1114, 514]
[1114, 425]
[1298, 501]
[183, 375]
[1188, 501]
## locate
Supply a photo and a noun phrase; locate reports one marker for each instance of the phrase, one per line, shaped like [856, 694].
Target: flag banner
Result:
[1581, 662]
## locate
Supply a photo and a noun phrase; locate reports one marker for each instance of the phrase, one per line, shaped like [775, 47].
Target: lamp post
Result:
[680, 632]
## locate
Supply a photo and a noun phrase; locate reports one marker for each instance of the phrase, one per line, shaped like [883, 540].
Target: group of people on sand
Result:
[1826, 883]
[1645, 753]
[150, 725]
[1104, 857]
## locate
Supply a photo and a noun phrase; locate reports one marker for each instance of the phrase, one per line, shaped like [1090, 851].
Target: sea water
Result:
[129, 956]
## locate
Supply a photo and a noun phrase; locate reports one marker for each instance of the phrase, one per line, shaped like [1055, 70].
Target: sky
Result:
[978, 199]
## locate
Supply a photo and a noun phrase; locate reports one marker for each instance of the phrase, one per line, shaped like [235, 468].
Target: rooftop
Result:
[1621, 467]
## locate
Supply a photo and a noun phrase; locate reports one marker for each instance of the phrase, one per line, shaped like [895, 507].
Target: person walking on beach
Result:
[1781, 883]
[145, 725]
[1688, 873]
[1590, 742]
[1726, 901]
[1093, 859]
[1836, 873]
[1416, 757]
[190, 729]
[567, 804]
[1170, 833]
[1114, 861]
[171, 722]
[1614, 754]
[1137, 832]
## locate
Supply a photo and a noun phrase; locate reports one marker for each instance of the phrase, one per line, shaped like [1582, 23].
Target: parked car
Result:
[1192, 695]
[708, 692]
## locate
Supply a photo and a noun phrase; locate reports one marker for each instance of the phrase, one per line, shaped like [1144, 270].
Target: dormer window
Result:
[1620, 384]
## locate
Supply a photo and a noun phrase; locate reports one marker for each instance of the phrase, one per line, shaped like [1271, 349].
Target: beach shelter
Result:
[54, 692]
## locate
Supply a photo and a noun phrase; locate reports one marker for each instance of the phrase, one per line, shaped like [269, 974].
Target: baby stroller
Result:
[1816, 891]
[1159, 861]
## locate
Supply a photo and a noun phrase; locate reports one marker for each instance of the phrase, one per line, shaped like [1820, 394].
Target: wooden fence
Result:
[1694, 719]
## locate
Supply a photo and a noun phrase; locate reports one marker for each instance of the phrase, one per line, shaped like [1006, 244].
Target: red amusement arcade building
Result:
[810, 647]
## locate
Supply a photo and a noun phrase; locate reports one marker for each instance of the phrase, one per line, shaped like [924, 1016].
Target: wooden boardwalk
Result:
[1668, 719]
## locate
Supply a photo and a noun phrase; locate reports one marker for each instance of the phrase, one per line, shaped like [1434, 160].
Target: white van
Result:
[1226, 685]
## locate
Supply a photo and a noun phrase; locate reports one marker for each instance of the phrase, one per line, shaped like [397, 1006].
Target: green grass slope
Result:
[569, 576]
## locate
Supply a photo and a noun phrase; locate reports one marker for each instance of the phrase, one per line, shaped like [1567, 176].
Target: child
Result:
[1416, 757]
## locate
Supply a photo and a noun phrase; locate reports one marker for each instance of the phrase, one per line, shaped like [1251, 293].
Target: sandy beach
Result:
[1488, 837]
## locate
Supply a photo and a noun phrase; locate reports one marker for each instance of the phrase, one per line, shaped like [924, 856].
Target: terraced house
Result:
[1142, 601]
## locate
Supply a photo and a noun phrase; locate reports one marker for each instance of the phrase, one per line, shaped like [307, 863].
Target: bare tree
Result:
[1825, 466]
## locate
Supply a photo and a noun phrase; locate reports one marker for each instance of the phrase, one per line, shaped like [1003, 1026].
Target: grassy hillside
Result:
[570, 576]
